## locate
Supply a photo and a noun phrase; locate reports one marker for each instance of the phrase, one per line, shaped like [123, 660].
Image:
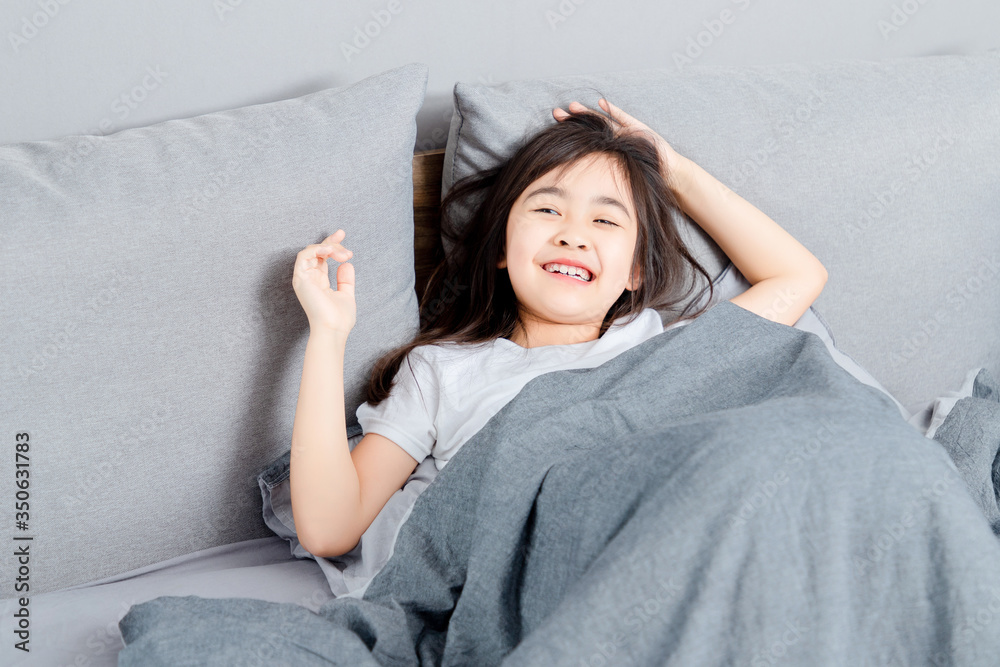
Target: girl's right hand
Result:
[327, 309]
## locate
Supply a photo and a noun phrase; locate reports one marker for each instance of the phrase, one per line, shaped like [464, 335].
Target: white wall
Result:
[76, 67]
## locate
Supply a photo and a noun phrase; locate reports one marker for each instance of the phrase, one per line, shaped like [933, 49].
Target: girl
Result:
[567, 258]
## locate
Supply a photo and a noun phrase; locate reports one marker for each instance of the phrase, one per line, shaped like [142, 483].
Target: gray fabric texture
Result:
[762, 505]
[152, 342]
[929, 417]
[971, 435]
[885, 170]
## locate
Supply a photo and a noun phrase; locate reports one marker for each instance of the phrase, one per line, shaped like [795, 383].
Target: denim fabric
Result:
[722, 493]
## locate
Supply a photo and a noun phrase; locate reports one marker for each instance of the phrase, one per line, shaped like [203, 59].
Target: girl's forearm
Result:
[325, 490]
[755, 243]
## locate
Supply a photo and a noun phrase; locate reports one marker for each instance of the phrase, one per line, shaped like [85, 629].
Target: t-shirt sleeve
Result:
[406, 416]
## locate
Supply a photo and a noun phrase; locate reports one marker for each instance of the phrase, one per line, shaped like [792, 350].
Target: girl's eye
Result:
[607, 222]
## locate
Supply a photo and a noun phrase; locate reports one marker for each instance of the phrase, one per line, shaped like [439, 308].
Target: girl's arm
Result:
[336, 492]
[325, 487]
[786, 278]
[325, 490]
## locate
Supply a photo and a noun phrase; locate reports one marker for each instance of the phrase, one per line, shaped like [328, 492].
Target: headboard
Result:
[427, 249]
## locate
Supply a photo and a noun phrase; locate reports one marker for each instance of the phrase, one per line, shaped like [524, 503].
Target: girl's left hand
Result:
[674, 162]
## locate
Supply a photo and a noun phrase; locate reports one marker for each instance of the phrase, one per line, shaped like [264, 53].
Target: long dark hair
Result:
[483, 305]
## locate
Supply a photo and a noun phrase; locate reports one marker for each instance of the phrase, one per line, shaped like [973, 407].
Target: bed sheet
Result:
[79, 625]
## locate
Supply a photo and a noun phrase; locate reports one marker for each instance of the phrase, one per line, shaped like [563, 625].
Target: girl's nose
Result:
[573, 236]
[573, 231]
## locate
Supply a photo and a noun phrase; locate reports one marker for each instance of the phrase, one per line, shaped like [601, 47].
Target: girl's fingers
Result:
[614, 112]
[577, 107]
[334, 239]
[617, 113]
[331, 245]
[612, 109]
[332, 251]
[621, 116]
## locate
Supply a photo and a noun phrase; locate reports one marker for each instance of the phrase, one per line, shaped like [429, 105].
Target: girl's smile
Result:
[585, 219]
[567, 278]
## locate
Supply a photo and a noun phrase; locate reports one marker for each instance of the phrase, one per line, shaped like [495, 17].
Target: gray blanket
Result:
[720, 494]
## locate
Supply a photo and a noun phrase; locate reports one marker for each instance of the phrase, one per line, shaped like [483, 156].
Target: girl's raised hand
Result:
[327, 309]
[674, 162]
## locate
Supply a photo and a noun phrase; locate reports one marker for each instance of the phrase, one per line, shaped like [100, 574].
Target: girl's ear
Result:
[502, 263]
[634, 282]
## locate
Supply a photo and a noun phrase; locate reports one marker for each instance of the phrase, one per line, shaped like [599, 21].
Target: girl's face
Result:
[587, 218]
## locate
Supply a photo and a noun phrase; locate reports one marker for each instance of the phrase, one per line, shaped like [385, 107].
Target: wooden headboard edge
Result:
[427, 250]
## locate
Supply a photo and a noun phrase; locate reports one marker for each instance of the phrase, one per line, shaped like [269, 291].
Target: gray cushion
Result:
[887, 171]
[152, 342]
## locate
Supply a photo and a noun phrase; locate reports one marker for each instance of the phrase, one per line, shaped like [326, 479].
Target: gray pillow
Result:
[152, 342]
[886, 171]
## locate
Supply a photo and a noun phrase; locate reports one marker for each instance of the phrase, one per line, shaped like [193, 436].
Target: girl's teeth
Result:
[579, 277]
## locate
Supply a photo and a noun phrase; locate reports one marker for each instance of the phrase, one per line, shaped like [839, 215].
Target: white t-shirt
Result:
[443, 394]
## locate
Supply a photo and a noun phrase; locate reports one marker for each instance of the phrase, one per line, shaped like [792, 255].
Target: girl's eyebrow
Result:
[596, 199]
